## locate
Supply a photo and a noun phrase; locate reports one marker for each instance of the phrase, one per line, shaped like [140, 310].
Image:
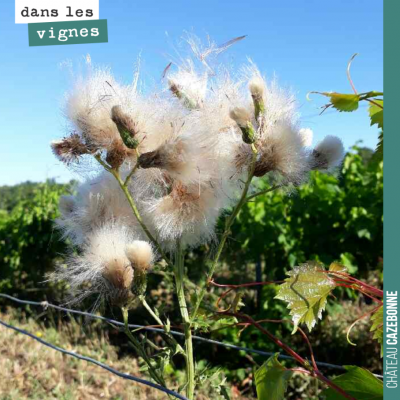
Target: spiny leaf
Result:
[272, 379]
[306, 293]
[201, 322]
[377, 326]
[376, 113]
[358, 383]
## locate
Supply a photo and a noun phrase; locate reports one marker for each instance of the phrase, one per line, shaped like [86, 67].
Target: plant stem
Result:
[315, 372]
[124, 186]
[128, 178]
[271, 189]
[180, 290]
[136, 344]
[226, 233]
[159, 321]
[137, 215]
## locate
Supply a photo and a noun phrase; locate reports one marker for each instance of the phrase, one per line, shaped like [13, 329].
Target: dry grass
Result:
[28, 370]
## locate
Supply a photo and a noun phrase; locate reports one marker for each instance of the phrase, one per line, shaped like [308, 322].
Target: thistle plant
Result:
[162, 167]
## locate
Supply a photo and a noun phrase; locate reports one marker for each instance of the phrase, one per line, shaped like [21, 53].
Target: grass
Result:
[28, 370]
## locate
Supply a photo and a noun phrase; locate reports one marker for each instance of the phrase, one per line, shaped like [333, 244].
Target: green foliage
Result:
[29, 244]
[342, 102]
[11, 195]
[358, 383]
[331, 218]
[376, 113]
[272, 379]
[350, 102]
[376, 116]
[377, 326]
[306, 293]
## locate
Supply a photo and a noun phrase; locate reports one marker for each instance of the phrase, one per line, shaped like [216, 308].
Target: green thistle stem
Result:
[180, 290]
[259, 106]
[226, 233]
[137, 346]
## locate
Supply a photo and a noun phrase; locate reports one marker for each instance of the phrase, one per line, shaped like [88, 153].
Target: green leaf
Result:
[337, 267]
[342, 102]
[358, 383]
[377, 326]
[376, 116]
[272, 379]
[376, 113]
[306, 293]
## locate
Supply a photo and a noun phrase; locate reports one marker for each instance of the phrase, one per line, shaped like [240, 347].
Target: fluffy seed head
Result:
[118, 274]
[327, 154]
[188, 213]
[102, 267]
[241, 116]
[192, 160]
[306, 135]
[69, 149]
[256, 86]
[140, 254]
[170, 156]
[281, 151]
[66, 205]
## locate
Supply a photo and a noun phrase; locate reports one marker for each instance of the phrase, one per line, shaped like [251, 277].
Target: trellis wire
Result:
[46, 305]
[98, 363]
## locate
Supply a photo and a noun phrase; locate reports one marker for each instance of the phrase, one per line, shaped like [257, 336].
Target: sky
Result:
[306, 44]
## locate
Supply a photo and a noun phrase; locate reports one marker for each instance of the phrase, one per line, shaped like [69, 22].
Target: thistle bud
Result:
[119, 276]
[177, 91]
[141, 256]
[151, 159]
[126, 127]
[139, 283]
[116, 155]
[243, 120]
[256, 86]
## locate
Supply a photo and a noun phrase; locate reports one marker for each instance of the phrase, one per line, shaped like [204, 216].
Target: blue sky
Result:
[306, 44]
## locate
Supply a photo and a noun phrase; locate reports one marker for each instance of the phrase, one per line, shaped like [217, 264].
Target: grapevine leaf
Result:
[376, 113]
[306, 293]
[342, 102]
[379, 148]
[376, 116]
[358, 383]
[377, 326]
[237, 302]
[272, 379]
[337, 267]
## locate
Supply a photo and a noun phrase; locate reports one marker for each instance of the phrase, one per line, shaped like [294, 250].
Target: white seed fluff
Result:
[140, 254]
[329, 153]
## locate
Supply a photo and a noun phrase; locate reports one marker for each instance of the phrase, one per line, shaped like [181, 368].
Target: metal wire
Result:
[98, 363]
[46, 305]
